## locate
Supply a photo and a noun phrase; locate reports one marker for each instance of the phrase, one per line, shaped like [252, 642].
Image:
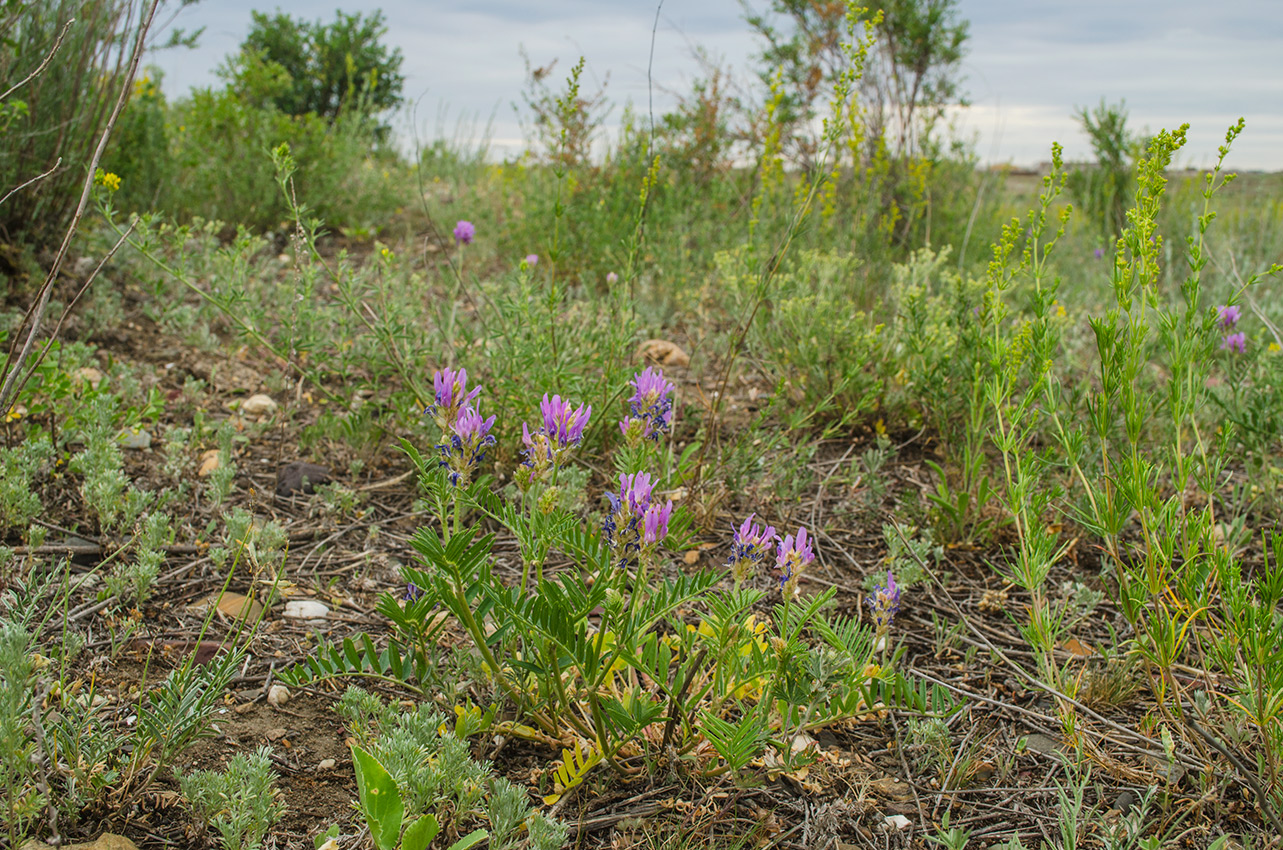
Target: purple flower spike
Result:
[885, 603]
[612, 278]
[1098, 253]
[633, 522]
[792, 555]
[465, 232]
[465, 445]
[652, 409]
[563, 424]
[532, 260]
[752, 542]
[450, 389]
[1229, 315]
[563, 430]
[1235, 343]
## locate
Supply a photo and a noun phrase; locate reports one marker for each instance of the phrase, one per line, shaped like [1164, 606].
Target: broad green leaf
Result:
[380, 799]
[470, 840]
[419, 834]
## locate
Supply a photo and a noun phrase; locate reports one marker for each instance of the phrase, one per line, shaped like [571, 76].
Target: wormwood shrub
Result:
[64, 751]
[824, 355]
[239, 801]
[415, 769]
[615, 660]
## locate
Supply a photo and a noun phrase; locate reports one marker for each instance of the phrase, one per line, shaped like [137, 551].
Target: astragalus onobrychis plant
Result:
[603, 647]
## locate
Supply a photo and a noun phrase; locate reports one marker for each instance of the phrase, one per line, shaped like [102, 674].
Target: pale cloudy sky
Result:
[1030, 63]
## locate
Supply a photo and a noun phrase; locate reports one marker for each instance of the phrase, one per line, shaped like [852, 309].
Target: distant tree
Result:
[911, 75]
[330, 67]
[1105, 190]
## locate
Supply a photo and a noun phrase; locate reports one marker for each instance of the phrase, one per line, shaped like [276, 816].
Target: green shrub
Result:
[239, 802]
[329, 70]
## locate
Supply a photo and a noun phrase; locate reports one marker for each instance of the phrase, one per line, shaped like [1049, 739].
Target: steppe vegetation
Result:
[770, 474]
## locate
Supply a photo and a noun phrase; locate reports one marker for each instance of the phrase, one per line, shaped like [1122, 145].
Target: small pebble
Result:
[278, 695]
[306, 609]
[258, 405]
[326, 764]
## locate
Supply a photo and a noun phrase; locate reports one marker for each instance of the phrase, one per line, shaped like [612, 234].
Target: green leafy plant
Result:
[239, 801]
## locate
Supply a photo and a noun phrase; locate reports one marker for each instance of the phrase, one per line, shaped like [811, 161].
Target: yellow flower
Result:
[1274, 348]
[108, 180]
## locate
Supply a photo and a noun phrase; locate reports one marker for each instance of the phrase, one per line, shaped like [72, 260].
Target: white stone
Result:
[278, 695]
[258, 405]
[306, 609]
[898, 822]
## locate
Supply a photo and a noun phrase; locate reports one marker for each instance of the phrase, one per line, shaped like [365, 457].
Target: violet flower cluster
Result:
[652, 407]
[562, 430]
[465, 434]
[884, 603]
[450, 391]
[635, 523]
[1228, 316]
[751, 544]
[465, 232]
[792, 556]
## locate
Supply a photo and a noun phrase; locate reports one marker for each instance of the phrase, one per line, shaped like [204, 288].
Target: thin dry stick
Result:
[38, 177]
[14, 366]
[53, 335]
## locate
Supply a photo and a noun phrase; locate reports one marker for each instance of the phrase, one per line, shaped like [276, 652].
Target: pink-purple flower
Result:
[450, 391]
[751, 543]
[634, 523]
[655, 522]
[464, 232]
[532, 260]
[792, 555]
[884, 603]
[562, 430]
[464, 445]
[1236, 342]
[612, 278]
[652, 408]
[1228, 315]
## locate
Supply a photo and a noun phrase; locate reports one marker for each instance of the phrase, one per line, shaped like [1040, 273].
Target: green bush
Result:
[221, 148]
[330, 69]
[140, 143]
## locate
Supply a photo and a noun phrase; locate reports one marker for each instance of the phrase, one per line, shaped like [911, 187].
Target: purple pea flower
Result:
[750, 545]
[532, 260]
[412, 592]
[1229, 315]
[652, 409]
[563, 429]
[464, 445]
[885, 603]
[1098, 253]
[633, 522]
[563, 424]
[792, 555]
[1235, 343]
[465, 232]
[612, 278]
[450, 389]
[655, 522]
